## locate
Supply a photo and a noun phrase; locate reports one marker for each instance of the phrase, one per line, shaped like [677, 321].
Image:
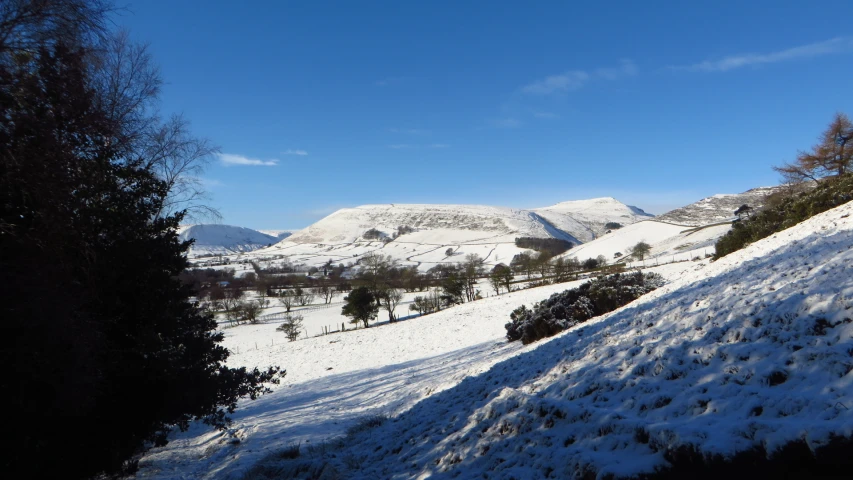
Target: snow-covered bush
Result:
[566, 309]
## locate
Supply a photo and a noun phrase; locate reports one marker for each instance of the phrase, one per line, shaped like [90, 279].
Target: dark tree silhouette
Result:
[360, 306]
[105, 351]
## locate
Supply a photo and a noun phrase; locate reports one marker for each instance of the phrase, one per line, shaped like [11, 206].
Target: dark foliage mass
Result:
[550, 246]
[612, 225]
[360, 306]
[794, 460]
[784, 213]
[104, 353]
[567, 309]
[372, 234]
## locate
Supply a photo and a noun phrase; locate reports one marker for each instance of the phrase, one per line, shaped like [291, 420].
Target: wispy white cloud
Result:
[400, 146]
[506, 122]
[576, 79]
[209, 182]
[410, 131]
[388, 81]
[294, 152]
[828, 47]
[546, 115]
[567, 81]
[230, 159]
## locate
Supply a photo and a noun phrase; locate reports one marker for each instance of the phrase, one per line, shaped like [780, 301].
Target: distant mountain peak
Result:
[216, 239]
[717, 208]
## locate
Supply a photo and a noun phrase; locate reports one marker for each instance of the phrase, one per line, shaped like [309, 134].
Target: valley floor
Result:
[751, 351]
[335, 380]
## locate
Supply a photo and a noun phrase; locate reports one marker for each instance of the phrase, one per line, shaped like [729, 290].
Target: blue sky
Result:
[320, 105]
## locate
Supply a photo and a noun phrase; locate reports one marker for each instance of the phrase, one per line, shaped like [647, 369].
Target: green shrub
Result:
[571, 307]
[787, 212]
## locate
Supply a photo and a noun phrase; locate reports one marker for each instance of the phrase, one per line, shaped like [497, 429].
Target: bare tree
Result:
[471, 269]
[327, 292]
[26, 25]
[179, 159]
[543, 264]
[287, 299]
[235, 314]
[833, 154]
[376, 267]
[129, 83]
[640, 250]
[292, 326]
[561, 269]
[302, 297]
[262, 286]
[495, 281]
[217, 297]
[232, 298]
[391, 297]
[251, 311]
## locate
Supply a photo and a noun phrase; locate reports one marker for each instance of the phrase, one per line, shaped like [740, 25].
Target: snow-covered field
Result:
[334, 380]
[751, 349]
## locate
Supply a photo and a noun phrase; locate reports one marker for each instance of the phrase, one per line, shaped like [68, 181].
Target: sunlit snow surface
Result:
[726, 356]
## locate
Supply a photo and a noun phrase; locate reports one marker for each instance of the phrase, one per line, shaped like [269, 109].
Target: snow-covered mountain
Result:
[717, 208]
[681, 234]
[423, 234]
[586, 219]
[279, 234]
[213, 239]
[469, 221]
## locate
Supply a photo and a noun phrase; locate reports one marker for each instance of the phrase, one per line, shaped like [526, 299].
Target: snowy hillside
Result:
[592, 215]
[214, 239]
[668, 241]
[717, 208]
[752, 351]
[334, 380]
[279, 234]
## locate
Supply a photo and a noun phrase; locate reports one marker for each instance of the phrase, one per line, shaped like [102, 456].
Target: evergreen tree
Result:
[360, 306]
[105, 353]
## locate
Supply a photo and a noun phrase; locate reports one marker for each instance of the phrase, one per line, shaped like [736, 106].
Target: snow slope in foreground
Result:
[754, 349]
[334, 380]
